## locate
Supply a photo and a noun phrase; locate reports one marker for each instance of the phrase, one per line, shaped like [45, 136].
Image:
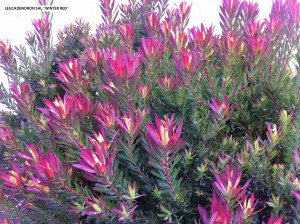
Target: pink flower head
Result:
[131, 124]
[124, 66]
[202, 38]
[6, 54]
[144, 91]
[258, 45]
[70, 71]
[188, 62]
[151, 50]
[60, 109]
[94, 60]
[228, 183]
[24, 96]
[220, 212]
[91, 161]
[221, 109]
[169, 82]
[127, 32]
[165, 135]
[247, 207]
[83, 104]
[98, 161]
[42, 25]
[5, 48]
[71, 75]
[233, 44]
[32, 156]
[105, 114]
[12, 179]
[253, 29]
[63, 115]
[47, 167]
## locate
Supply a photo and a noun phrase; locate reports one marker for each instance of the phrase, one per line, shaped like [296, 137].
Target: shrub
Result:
[148, 121]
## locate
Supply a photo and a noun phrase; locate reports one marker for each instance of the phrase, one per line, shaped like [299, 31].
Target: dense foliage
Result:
[148, 121]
